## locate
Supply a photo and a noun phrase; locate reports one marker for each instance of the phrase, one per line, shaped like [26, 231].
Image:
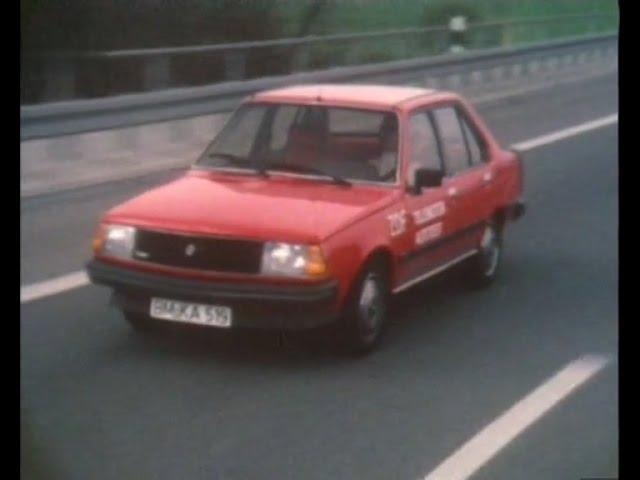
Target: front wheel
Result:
[367, 309]
[484, 266]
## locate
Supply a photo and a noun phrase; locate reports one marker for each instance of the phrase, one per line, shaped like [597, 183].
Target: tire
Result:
[366, 310]
[137, 321]
[484, 267]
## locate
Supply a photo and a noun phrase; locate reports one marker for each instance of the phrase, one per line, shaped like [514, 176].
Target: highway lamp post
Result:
[457, 33]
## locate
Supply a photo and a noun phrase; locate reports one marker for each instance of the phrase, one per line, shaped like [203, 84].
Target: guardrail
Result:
[79, 116]
[80, 143]
[70, 75]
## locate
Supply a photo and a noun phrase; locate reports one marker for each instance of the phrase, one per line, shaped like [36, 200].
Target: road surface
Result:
[99, 401]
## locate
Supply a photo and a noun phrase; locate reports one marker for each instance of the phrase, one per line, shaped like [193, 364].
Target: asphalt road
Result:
[100, 402]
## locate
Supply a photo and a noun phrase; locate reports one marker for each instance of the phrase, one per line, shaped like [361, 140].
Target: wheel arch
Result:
[384, 256]
[380, 254]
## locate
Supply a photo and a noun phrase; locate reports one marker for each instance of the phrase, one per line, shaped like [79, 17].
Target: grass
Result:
[374, 15]
[369, 15]
[109, 25]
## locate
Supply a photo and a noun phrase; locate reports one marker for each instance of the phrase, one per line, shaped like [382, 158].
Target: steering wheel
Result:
[388, 176]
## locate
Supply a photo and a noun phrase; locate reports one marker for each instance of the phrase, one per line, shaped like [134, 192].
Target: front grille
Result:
[200, 253]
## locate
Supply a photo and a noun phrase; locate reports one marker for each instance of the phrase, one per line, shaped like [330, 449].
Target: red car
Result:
[313, 205]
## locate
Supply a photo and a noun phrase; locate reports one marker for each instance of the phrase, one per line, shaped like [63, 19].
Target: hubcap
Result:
[490, 251]
[370, 305]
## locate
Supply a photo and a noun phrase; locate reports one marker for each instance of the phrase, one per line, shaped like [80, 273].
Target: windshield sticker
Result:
[397, 223]
[429, 213]
[429, 233]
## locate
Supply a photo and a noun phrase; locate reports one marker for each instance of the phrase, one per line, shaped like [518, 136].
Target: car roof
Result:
[355, 95]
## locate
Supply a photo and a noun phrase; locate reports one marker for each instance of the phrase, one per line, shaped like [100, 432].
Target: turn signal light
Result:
[98, 239]
[315, 265]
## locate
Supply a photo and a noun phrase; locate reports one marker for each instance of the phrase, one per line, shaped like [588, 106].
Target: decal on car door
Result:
[429, 212]
[428, 233]
[397, 223]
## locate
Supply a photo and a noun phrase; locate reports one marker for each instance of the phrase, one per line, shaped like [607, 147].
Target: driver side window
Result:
[453, 141]
[423, 146]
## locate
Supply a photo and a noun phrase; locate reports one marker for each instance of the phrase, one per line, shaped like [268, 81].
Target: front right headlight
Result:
[291, 260]
[114, 241]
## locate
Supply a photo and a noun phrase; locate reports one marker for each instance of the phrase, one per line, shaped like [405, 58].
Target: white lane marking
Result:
[79, 279]
[566, 133]
[56, 285]
[490, 98]
[491, 439]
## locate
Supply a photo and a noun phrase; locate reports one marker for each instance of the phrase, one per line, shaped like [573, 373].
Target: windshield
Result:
[342, 143]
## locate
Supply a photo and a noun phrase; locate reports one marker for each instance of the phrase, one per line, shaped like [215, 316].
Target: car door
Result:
[426, 209]
[482, 198]
[467, 176]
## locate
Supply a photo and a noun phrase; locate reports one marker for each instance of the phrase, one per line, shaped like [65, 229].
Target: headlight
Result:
[283, 259]
[114, 241]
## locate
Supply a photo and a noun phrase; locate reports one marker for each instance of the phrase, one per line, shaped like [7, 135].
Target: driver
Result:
[385, 164]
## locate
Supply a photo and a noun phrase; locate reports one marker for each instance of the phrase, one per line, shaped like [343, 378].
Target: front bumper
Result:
[253, 305]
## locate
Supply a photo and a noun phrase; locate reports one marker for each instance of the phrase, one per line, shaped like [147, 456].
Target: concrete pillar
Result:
[234, 65]
[60, 78]
[157, 72]
[301, 59]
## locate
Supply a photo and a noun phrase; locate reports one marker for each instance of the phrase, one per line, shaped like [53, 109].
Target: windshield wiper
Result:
[304, 169]
[237, 160]
[227, 156]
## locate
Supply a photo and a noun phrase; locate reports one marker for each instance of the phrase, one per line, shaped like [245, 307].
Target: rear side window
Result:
[476, 151]
[453, 143]
[423, 144]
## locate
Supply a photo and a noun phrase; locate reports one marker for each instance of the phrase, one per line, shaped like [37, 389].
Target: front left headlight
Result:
[284, 259]
[115, 241]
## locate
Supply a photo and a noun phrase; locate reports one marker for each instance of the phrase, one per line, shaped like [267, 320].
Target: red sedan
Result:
[313, 205]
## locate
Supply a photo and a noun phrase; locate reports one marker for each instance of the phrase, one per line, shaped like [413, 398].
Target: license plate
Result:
[213, 315]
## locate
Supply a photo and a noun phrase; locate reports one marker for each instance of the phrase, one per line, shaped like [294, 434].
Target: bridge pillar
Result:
[157, 72]
[60, 78]
[234, 65]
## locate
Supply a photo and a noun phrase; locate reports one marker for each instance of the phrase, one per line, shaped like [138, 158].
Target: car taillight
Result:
[519, 167]
[520, 172]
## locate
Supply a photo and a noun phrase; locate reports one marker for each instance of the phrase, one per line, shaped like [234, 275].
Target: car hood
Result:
[279, 208]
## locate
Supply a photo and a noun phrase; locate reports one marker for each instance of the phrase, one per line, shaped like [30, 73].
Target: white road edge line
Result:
[490, 440]
[565, 133]
[490, 98]
[35, 291]
[56, 285]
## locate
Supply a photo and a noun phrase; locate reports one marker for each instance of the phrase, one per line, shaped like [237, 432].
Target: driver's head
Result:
[310, 129]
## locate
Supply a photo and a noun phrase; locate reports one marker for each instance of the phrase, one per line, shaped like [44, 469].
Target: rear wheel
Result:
[484, 266]
[367, 309]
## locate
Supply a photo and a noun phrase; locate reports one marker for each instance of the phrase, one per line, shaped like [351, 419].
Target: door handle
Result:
[452, 192]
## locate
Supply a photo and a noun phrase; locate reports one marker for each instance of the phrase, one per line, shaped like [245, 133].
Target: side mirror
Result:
[427, 178]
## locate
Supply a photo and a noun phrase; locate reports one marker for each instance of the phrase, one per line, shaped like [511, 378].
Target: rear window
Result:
[346, 120]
